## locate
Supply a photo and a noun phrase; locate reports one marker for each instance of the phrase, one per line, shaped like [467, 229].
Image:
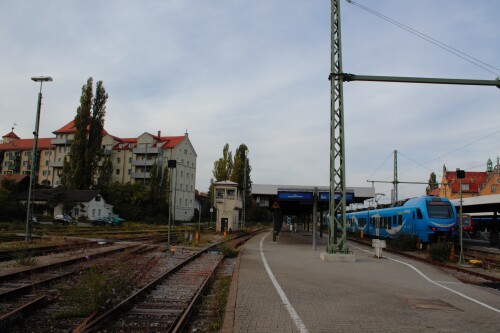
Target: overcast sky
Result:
[256, 72]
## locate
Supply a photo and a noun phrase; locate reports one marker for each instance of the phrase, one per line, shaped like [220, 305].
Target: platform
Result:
[286, 287]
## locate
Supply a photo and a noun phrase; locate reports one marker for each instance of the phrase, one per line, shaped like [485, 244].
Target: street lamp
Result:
[243, 217]
[171, 164]
[31, 191]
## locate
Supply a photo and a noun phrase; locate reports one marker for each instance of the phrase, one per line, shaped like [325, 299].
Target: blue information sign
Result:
[295, 196]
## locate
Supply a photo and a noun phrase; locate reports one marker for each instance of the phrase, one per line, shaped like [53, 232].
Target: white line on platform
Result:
[434, 282]
[293, 314]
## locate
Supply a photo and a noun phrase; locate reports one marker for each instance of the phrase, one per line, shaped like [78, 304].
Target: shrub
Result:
[404, 242]
[25, 258]
[228, 252]
[440, 252]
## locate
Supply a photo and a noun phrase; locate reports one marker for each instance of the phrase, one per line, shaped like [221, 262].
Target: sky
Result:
[256, 72]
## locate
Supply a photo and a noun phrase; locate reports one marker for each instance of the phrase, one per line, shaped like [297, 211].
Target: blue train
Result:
[431, 219]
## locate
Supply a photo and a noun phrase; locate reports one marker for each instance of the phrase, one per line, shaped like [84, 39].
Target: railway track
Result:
[7, 255]
[181, 277]
[166, 303]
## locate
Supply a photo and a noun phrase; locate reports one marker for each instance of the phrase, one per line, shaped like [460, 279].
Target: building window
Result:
[118, 160]
[494, 188]
[230, 193]
[220, 193]
[97, 198]
[117, 171]
[129, 171]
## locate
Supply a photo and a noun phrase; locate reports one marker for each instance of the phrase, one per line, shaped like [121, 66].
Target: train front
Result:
[442, 222]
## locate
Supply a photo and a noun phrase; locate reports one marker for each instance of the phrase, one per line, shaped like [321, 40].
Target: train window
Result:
[389, 222]
[419, 214]
[440, 209]
[400, 219]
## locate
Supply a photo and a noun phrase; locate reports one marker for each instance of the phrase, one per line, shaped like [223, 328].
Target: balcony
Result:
[148, 150]
[143, 162]
[14, 168]
[16, 157]
[141, 175]
[61, 141]
[54, 164]
[107, 152]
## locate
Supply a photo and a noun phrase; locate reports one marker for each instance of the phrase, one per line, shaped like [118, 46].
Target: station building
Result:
[132, 159]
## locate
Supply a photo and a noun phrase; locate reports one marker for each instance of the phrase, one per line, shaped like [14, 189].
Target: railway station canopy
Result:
[298, 200]
[480, 204]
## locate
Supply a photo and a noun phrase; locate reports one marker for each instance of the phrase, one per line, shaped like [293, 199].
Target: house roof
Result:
[171, 141]
[473, 178]
[26, 144]
[11, 135]
[71, 195]
[70, 128]
[16, 178]
[226, 183]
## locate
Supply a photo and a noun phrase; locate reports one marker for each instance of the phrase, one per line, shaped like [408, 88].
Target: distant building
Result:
[475, 183]
[132, 159]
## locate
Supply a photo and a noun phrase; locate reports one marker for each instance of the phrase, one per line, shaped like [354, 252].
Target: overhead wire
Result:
[431, 40]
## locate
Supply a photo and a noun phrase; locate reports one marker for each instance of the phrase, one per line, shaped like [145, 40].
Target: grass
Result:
[96, 288]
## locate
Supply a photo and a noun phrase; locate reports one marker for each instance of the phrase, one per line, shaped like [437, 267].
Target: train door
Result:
[377, 226]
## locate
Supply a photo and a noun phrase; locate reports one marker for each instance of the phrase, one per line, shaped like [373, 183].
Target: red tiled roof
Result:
[26, 144]
[474, 178]
[70, 128]
[171, 141]
[16, 177]
[11, 135]
[434, 192]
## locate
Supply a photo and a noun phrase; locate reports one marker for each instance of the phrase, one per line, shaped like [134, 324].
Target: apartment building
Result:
[132, 159]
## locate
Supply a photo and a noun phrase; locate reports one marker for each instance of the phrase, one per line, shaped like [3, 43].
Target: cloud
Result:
[256, 73]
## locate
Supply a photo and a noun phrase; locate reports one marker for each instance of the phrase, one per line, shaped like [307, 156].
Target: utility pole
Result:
[34, 159]
[337, 242]
[243, 213]
[337, 235]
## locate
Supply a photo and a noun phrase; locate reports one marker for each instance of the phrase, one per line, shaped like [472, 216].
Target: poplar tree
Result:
[223, 167]
[432, 183]
[81, 169]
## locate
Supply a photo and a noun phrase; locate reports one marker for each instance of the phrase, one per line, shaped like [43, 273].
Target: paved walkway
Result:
[286, 287]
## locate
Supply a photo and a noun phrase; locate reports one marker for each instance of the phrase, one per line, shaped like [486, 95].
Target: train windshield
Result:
[440, 209]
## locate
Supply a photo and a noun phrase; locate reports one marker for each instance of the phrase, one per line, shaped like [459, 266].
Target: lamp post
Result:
[243, 214]
[171, 164]
[31, 192]
[461, 175]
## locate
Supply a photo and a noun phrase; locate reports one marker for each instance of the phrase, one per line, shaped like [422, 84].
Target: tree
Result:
[432, 183]
[86, 151]
[158, 190]
[238, 171]
[105, 171]
[223, 167]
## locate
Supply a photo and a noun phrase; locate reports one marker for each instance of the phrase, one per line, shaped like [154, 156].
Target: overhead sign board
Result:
[325, 196]
[309, 196]
[295, 196]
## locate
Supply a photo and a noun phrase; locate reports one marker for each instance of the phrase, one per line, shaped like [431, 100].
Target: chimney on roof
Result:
[159, 135]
